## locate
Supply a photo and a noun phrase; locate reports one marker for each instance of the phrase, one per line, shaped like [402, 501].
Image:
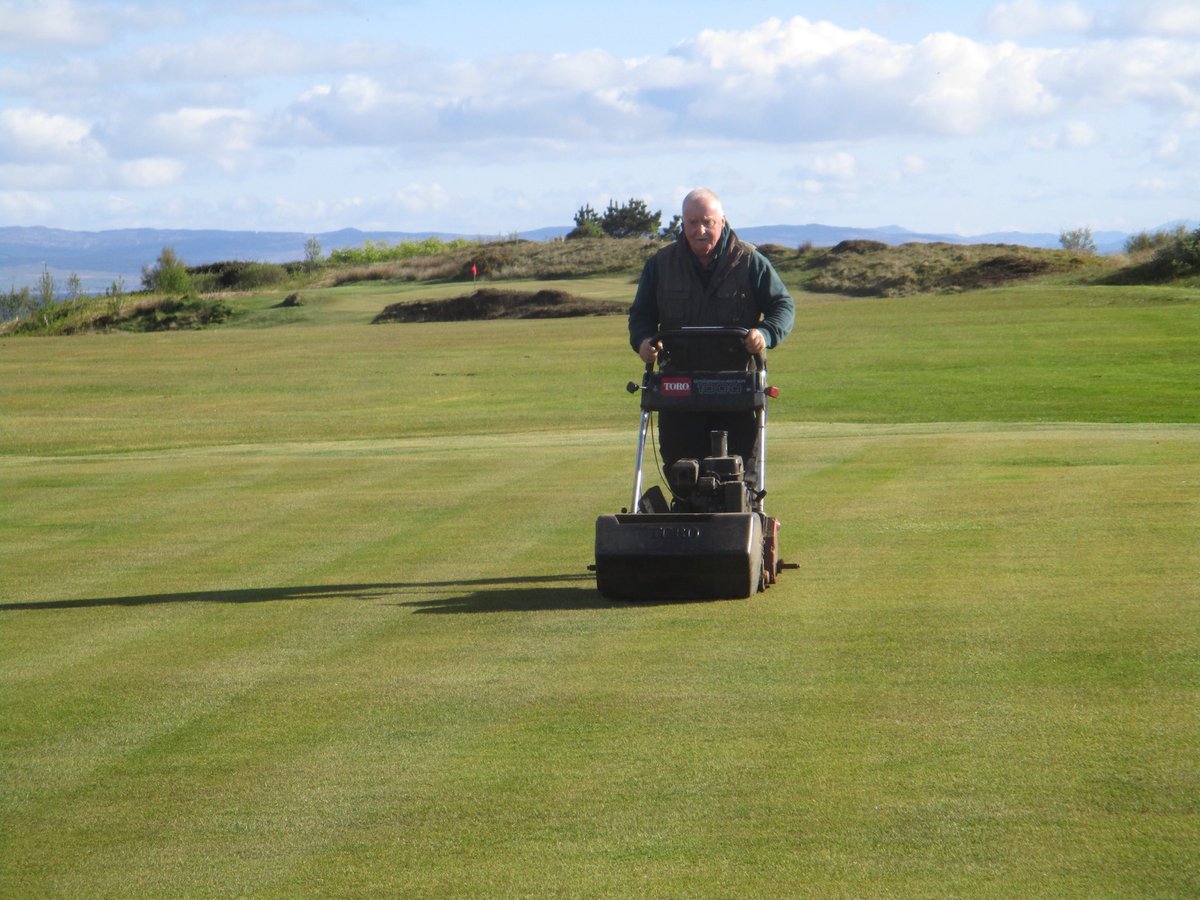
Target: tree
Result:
[674, 228]
[1078, 239]
[312, 253]
[168, 275]
[586, 214]
[633, 219]
[15, 303]
[46, 288]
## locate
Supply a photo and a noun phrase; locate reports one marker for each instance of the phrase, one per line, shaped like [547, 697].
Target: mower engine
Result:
[714, 484]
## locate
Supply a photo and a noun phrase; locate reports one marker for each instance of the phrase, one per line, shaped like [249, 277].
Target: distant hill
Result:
[101, 257]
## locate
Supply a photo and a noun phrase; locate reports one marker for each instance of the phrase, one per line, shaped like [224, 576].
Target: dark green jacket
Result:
[739, 287]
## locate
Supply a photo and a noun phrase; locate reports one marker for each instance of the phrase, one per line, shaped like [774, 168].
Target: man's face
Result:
[702, 226]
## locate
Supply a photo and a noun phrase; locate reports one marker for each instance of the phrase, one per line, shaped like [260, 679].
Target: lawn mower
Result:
[712, 539]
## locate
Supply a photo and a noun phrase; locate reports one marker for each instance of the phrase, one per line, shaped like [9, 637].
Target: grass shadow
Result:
[541, 599]
[514, 594]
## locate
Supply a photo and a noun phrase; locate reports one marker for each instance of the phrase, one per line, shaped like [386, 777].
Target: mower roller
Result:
[713, 539]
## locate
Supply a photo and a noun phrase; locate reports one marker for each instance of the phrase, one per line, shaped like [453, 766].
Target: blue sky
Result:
[486, 119]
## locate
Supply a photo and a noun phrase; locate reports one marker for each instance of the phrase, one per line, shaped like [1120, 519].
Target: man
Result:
[708, 277]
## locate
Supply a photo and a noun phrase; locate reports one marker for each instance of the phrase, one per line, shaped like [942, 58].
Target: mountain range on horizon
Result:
[100, 258]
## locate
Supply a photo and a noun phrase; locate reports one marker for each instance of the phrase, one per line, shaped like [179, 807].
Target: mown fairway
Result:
[304, 609]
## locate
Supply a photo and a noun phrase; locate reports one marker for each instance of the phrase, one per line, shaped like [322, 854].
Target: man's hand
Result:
[754, 341]
[648, 350]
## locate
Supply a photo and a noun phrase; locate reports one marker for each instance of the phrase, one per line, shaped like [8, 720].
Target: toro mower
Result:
[712, 539]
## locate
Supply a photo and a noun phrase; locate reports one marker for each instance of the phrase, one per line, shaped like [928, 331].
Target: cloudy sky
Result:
[486, 118]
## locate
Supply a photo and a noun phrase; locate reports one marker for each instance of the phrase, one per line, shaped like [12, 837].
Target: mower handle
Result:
[760, 360]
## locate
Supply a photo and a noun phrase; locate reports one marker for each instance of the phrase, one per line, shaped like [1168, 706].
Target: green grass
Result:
[303, 610]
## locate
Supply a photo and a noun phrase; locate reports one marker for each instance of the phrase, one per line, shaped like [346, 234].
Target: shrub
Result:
[585, 229]
[1180, 255]
[775, 252]
[15, 303]
[859, 246]
[1146, 242]
[382, 251]
[1078, 240]
[236, 276]
[168, 275]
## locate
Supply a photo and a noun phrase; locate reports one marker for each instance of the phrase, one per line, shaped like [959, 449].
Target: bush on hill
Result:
[381, 251]
[858, 246]
[168, 275]
[1176, 256]
[240, 276]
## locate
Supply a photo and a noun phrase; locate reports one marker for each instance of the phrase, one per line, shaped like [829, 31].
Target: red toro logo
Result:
[676, 387]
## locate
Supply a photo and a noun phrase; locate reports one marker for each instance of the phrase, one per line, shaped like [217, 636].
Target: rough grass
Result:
[303, 611]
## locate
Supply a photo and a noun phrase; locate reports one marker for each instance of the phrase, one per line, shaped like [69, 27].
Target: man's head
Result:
[703, 222]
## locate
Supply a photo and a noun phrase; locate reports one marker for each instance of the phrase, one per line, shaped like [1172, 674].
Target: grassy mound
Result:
[139, 314]
[506, 260]
[491, 303]
[873, 269]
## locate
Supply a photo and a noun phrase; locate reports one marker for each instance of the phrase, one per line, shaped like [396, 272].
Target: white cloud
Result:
[31, 135]
[1029, 18]
[840, 165]
[1177, 18]
[217, 134]
[1072, 136]
[1156, 185]
[774, 45]
[777, 83]
[258, 55]
[149, 173]
[24, 206]
[1168, 145]
[50, 22]
[1078, 135]
[422, 198]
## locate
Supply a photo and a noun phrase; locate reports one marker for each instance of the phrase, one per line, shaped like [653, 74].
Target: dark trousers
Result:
[685, 435]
